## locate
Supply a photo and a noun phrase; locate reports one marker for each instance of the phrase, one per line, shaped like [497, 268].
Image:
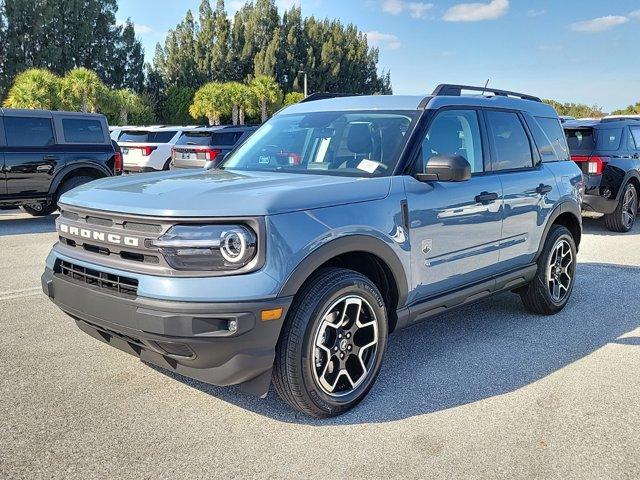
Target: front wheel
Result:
[550, 289]
[624, 216]
[332, 344]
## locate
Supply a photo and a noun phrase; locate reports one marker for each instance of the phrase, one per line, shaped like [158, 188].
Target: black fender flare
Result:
[629, 175]
[347, 244]
[568, 205]
[64, 173]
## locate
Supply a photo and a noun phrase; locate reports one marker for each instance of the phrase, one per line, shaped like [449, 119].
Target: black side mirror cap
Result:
[445, 168]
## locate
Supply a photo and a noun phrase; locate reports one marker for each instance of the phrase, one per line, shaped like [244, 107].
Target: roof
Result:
[417, 102]
[609, 121]
[51, 113]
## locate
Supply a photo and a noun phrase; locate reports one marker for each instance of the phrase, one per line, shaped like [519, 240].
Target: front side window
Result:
[28, 132]
[362, 144]
[78, 130]
[510, 141]
[455, 132]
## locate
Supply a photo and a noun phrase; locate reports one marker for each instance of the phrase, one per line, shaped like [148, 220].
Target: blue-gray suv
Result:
[337, 222]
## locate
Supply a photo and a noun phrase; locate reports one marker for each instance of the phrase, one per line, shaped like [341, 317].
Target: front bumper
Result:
[189, 338]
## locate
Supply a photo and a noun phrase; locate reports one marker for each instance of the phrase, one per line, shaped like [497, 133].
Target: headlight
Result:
[208, 247]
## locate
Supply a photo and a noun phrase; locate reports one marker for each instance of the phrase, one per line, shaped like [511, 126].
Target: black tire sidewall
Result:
[354, 284]
[558, 233]
[620, 211]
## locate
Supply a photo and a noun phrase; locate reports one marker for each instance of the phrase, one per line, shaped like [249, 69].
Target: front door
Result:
[30, 156]
[454, 226]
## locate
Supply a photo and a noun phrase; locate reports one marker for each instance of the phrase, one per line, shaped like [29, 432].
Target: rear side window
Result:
[134, 136]
[634, 141]
[225, 139]
[580, 139]
[510, 141]
[161, 137]
[553, 147]
[28, 132]
[194, 138]
[78, 130]
[609, 138]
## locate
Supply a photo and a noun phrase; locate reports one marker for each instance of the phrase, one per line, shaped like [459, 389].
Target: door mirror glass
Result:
[446, 168]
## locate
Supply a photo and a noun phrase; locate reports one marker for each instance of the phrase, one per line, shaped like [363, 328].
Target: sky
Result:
[582, 51]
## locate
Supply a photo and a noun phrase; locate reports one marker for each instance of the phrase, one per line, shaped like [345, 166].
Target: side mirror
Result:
[445, 168]
[214, 163]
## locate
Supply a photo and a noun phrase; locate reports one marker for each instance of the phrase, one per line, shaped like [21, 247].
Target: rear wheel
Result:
[332, 344]
[624, 216]
[552, 285]
[43, 209]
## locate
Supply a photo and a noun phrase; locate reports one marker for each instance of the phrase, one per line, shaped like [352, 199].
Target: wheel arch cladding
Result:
[364, 254]
[82, 169]
[567, 214]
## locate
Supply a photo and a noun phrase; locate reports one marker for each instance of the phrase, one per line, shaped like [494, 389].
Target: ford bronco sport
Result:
[395, 209]
[44, 154]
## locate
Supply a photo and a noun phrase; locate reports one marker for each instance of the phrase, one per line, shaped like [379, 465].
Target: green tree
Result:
[293, 97]
[82, 90]
[210, 101]
[267, 93]
[175, 109]
[3, 51]
[35, 88]
[241, 98]
[127, 70]
[577, 110]
[630, 110]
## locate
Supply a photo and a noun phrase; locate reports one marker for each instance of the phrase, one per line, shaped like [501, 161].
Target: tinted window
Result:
[635, 138]
[455, 132]
[82, 130]
[580, 139]
[510, 141]
[28, 131]
[225, 139]
[134, 136]
[555, 139]
[161, 137]
[195, 138]
[609, 138]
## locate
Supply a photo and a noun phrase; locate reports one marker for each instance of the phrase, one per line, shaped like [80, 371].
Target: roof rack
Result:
[325, 95]
[620, 118]
[450, 90]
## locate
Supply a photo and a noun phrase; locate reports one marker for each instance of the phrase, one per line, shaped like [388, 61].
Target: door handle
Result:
[543, 189]
[486, 197]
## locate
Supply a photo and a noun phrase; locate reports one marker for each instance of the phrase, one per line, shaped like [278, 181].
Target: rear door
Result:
[529, 188]
[31, 155]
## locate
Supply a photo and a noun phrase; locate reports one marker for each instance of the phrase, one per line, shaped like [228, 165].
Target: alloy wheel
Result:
[345, 346]
[560, 271]
[629, 207]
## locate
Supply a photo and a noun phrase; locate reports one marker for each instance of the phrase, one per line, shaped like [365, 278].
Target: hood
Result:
[218, 193]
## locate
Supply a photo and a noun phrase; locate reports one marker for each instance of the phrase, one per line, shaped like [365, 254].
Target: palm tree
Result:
[241, 99]
[211, 101]
[267, 91]
[126, 102]
[35, 88]
[293, 97]
[82, 90]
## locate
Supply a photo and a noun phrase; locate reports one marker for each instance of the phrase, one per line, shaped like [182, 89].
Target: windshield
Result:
[332, 143]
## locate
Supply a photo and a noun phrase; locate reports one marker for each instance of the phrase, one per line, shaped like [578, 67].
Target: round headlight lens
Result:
[233, 245]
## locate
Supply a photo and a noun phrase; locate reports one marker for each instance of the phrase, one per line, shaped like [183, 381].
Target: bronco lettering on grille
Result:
[99, 236]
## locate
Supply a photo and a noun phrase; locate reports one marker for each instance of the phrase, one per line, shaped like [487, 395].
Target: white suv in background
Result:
[148, 149]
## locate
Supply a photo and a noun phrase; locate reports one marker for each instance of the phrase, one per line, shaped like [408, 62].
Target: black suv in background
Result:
[44, 154]
[207, 146]
[608, 152]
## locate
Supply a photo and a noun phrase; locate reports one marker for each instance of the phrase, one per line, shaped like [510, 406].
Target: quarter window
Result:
[635, 134]
[28, 131]
[555, 137]
[78, 130]
[510, 141]
[455, 132]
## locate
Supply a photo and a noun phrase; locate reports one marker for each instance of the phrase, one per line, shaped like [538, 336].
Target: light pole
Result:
[306, 92]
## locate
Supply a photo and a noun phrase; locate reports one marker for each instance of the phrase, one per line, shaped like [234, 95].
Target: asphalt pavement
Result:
[488, 391]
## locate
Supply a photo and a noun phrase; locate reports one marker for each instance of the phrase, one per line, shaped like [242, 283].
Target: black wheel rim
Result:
[345, 346]
[629, 207]
[560, 271]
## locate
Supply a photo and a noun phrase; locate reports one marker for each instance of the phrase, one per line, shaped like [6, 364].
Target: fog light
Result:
[233, 326]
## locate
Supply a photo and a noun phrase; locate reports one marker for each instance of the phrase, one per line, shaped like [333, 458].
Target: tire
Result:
[39, 210]
[166, 165]
[303, 371]
[624, 216]
[72, 183]
[539, 296]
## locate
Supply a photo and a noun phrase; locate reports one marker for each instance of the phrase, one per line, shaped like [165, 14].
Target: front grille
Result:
[118, 284]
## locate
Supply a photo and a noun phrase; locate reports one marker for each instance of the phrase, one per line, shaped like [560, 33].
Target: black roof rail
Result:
[450, 90]
[325, 95]
[620, 119]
